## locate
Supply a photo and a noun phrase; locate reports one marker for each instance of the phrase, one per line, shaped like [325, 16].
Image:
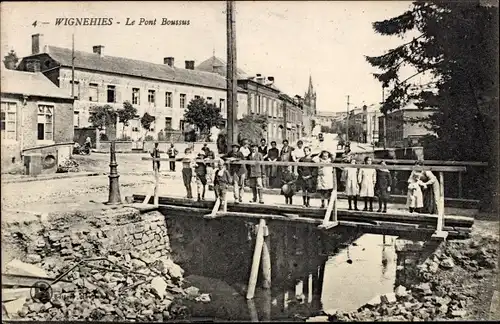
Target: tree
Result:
[10, 60]
[146, 121]
[203, 115]
[252, 127]
[127, 113]
[458, 46]
[102, 116]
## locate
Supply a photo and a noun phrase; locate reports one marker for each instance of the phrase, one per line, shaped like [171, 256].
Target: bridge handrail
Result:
[435, 162]
[317, 164]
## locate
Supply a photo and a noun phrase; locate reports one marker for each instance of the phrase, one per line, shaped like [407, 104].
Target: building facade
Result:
[35, 114]
[161, 90]
[286, 115]
[403, 128]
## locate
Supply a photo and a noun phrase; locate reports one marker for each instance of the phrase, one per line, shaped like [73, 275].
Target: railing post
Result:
[252, 282]
[460, 192]
[440, 234]
[157, 183]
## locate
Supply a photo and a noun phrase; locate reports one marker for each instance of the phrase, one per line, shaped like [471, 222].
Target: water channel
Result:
[311, 270]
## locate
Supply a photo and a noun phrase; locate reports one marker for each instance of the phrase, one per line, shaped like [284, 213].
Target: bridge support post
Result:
[254, 316]
[439, 234]
[331, 210]
[266, 261]
[252, 282]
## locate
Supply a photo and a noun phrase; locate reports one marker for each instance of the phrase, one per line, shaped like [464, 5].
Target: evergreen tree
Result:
[458, 46]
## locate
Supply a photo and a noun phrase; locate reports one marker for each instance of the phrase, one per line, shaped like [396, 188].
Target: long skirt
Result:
[430, 204]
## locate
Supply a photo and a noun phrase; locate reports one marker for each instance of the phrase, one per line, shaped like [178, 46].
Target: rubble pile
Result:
[140, 290]
[440, 294]
[68, 165]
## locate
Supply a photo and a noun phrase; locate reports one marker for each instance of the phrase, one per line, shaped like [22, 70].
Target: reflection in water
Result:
[309, 268]
[372, 272]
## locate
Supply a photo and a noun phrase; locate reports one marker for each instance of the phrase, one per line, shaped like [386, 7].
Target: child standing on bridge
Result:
[415, 200]
[222, 180]
[367, 178]
[326, 181]
[289, 188]
[350, 179]
[306, 176]
[188, 165]
[201, 177]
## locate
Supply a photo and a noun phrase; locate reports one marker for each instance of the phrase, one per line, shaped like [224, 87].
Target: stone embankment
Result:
[453, 283]
[134, 278]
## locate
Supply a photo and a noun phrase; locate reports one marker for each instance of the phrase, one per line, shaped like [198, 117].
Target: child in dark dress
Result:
[289, 187]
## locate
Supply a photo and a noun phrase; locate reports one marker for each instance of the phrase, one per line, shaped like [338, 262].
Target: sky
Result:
[290, 40]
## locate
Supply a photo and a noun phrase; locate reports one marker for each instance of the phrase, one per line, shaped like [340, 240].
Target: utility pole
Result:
[231, 76]
[73, 66]
[285, 120]
[347, 122]
[385, 119]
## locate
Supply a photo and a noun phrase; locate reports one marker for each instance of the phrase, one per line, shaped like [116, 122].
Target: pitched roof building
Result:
[161, 90]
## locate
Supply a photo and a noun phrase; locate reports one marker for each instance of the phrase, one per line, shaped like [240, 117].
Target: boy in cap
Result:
[156, 154]
[201, 177]
[237, 172]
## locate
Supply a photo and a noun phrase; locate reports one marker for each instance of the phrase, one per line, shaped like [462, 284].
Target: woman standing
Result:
[430, 191]
[325, 183]
[383, 187]
[273, 155]
[367, 179]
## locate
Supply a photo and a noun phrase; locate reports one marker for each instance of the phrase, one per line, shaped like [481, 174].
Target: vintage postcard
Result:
[249, 161]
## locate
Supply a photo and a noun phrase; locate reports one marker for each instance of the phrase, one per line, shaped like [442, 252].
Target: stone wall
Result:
[124, 231]
[121, 146]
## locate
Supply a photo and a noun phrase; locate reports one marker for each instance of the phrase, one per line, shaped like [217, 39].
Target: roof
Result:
[142, 69]
[28, 83]
[218, 65]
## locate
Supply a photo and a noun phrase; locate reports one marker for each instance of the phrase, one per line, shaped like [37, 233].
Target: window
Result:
[151, 97]
[168, 99]
[76, 119]
[209, 99]
[136, 96]
[111, 93]
[75, 88]
[182, 101]
[168, 123]
[196, 97]
[93, 93]
[8, 120]
[222, 106]
[45, 122]
[181, 125]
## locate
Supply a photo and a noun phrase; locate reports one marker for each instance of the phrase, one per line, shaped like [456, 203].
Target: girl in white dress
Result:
[325, 178]
[350, 180]
[367, 179]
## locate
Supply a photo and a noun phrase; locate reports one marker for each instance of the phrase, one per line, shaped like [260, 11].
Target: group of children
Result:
[363, 182]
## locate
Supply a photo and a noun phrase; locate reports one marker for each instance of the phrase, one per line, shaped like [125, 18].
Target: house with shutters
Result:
[161, 90]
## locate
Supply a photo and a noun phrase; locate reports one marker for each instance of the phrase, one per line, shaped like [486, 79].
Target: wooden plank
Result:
[252, 281]
[434, 162]
[343, 214]
[375, 228]
[14, 293]
[12, 280]
[398, 199]
[451, 168]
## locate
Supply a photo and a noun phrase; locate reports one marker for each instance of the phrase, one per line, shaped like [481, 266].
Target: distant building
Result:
[402, 127]
[36, 116]
[327, 118]
[366, 116]
[162, 90]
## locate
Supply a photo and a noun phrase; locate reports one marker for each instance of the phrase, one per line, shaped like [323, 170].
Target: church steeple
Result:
[310, 89]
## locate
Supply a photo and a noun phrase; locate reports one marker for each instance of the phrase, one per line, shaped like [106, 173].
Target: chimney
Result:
[98, 49]
[169, 61]
[37, 44]
[189, 65]
[271, 79]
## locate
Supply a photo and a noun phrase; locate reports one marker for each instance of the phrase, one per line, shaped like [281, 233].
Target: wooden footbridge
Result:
[425, 227]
